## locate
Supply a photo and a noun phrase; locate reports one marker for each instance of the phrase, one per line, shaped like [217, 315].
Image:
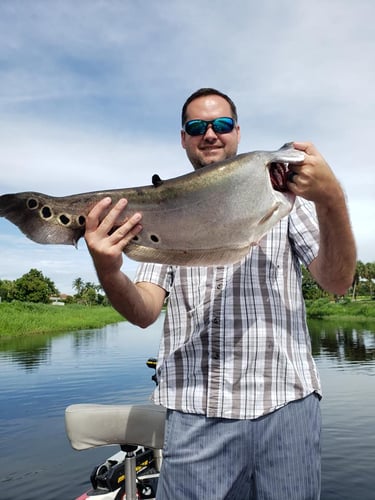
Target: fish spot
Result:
[32, 203]
[81, 220]
[154, 238]
[136, 238]
[46, 212]
[64, 219]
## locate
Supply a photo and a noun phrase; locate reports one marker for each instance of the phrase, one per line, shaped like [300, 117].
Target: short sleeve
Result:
[304, 231]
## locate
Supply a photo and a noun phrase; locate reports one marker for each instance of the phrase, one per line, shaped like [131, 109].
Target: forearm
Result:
[138, 303]
[335, 264]
[314, 180]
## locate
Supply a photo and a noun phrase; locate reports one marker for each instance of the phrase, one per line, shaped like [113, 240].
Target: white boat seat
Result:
[91, 425]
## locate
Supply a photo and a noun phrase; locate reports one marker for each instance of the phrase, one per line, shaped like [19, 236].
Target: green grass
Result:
[20, 318]
[324, 308]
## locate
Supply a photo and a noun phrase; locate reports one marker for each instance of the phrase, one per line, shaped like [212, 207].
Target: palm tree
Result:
[359, 272]
[78, 285]
[369, 274]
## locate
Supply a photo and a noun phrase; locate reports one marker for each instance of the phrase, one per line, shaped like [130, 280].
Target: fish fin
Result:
[269, 214]
[156, 180]
[188, 258]
[287, 145]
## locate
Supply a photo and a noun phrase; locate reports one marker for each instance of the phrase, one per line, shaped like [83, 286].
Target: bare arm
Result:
[334, 266]
[140, 303]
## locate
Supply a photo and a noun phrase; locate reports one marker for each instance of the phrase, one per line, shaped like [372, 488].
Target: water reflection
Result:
[351, 342]
[28, 352]
[83, 339]
[42, 374]
[32, 351]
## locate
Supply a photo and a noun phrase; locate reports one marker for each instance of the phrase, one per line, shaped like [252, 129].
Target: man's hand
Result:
[313, 179]
[107, 235]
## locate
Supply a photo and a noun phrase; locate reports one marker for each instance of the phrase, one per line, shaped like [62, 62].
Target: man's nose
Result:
[210, 132]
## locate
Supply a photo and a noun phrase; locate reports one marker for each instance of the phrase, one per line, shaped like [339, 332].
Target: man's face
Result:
[209, 147]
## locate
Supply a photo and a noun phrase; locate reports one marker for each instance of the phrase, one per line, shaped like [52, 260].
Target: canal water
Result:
[41, 376]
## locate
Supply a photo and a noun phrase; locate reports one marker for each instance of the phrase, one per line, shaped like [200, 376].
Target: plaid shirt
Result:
[235, 341]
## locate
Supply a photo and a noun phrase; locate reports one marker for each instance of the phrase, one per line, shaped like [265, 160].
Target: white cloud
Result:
[90, 96]
[62, 160]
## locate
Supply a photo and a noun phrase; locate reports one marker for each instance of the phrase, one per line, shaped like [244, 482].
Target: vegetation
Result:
[363, 284]
[25, 304]
[31, 287]
[88, 293]
[364, 279]
[344, 309]
[37, 288]
[23, 318]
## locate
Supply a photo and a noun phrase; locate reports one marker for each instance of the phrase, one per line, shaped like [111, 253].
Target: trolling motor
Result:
[151, 363]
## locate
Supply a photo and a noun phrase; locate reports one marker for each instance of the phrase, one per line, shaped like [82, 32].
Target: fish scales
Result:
[211, 216]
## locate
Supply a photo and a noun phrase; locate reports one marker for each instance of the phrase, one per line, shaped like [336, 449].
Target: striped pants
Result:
[275, 457]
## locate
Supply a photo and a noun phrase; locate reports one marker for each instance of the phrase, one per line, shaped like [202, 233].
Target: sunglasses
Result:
[222, 125]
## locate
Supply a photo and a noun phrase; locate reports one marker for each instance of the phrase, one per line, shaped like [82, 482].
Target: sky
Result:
[91, 93]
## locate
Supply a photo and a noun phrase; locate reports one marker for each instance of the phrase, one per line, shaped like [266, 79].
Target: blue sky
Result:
[91, 91]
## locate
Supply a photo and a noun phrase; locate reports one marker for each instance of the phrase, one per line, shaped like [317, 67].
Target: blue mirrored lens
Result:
[196, 127]
[222, 125]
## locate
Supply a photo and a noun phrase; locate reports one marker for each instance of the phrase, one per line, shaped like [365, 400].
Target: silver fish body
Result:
[211, 216]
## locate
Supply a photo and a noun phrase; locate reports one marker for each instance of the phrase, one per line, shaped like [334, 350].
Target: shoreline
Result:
[21, 319]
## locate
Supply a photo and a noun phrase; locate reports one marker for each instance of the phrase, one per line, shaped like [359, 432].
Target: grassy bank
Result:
[20, 318]
[324, 308]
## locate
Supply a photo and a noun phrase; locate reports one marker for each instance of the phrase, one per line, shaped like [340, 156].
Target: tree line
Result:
[35, 287]
[362, 286]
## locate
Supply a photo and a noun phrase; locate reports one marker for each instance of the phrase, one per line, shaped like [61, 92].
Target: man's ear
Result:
[183, 135]
[238, 133]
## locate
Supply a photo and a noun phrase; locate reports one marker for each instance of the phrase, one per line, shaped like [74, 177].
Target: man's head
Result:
[215, 141]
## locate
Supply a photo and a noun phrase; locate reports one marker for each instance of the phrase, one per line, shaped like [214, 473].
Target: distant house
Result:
[56, 301]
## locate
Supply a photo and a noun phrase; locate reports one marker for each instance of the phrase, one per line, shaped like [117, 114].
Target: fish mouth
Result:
[279, 175]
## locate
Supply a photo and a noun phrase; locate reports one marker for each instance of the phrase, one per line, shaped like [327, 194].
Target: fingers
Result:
[291, 175]
[125, 233]
[113, 219]
[306, 147]
[94, 216]
[108, 225]
[300, 176]
[313, 179]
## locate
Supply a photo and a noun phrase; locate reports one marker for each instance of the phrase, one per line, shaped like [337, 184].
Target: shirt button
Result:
[216, 321]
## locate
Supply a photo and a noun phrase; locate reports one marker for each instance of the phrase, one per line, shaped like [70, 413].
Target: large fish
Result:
[211, 216]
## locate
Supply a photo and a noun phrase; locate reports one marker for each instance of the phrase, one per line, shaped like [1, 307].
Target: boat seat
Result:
[91, 425]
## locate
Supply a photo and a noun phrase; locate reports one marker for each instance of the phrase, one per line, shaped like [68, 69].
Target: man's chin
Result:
[212, 158]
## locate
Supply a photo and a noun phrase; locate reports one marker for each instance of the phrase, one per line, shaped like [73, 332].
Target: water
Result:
[42, 375]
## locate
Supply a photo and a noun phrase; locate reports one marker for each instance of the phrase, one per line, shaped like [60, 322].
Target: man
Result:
[235, 368]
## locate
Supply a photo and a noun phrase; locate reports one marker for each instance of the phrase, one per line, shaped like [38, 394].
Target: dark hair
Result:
[205, 92]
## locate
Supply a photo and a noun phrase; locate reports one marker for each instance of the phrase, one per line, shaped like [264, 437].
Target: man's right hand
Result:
[105, 243]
